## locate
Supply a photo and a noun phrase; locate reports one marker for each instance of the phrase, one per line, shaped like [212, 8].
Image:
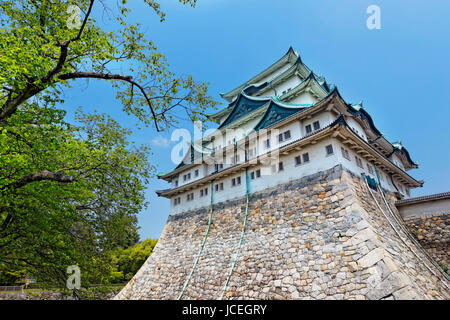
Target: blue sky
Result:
[400, 72]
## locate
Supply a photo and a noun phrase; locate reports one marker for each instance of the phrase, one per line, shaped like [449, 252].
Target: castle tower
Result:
[290, 198]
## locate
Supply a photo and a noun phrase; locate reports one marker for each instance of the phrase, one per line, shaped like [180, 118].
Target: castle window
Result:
[345, 154]
[308, 129]
[219, 166]
[204, 192]
[176, 183]
[287, 135]
[316, 125]
[176, 201]
[190, 197]
[267, 144]
[196, 173]
[280, 137]
[305, 157]
[219, 187]
[280, 166]
[298, 160]
[258, 173]
[329, 149]
[252, 175]
[235, 181]
[359, 162]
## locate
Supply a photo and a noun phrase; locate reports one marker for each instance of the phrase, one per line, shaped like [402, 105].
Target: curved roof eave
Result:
[359, 110]
[284, 59]
[355, 111]
[235, 103]
[398, 147]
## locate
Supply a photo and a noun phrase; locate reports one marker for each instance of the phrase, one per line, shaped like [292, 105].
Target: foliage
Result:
[42, 53]
[87, 211]
[70, 192]
[126, 262]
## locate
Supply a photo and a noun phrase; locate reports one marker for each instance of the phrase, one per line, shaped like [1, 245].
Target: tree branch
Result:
[107, 76]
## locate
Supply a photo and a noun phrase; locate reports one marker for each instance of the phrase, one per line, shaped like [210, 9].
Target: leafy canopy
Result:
[43, 51]
[70, 192]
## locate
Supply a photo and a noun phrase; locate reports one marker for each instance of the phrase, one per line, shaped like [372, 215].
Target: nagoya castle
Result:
[291, 197]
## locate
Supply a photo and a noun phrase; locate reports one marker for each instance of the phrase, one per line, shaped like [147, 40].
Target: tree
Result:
[125, 262]
[69, 193]
[89, 210]
[42, 53]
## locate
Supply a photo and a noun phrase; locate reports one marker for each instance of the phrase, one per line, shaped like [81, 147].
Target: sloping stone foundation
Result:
[319, 237]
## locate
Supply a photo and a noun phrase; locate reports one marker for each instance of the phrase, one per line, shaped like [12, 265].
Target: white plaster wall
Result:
[304, 97]
[431, 207]
[318, 161]
[356, 127]
[276, 73]
[291, 82]
[353, 167]
[397, 161]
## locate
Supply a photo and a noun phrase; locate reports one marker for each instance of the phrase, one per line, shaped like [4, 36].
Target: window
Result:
[287, 135]
[176, 201]
[196, 173]
[236, 159]
[329, 149]
[255, 174]
[203, 192]
[280, 166]
[284, 136]
[305, 157]
[252, 152]
[316, 125]
[308, 129]
[190, 197]
[219, 166]
[235, 181]
[345, 154]
[219, 186]
[359, 162]
[267, 144]
[176, 183]
[298, 160]
[187, 177]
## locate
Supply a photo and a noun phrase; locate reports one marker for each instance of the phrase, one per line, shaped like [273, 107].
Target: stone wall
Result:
[319, 237]
[433, 233]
